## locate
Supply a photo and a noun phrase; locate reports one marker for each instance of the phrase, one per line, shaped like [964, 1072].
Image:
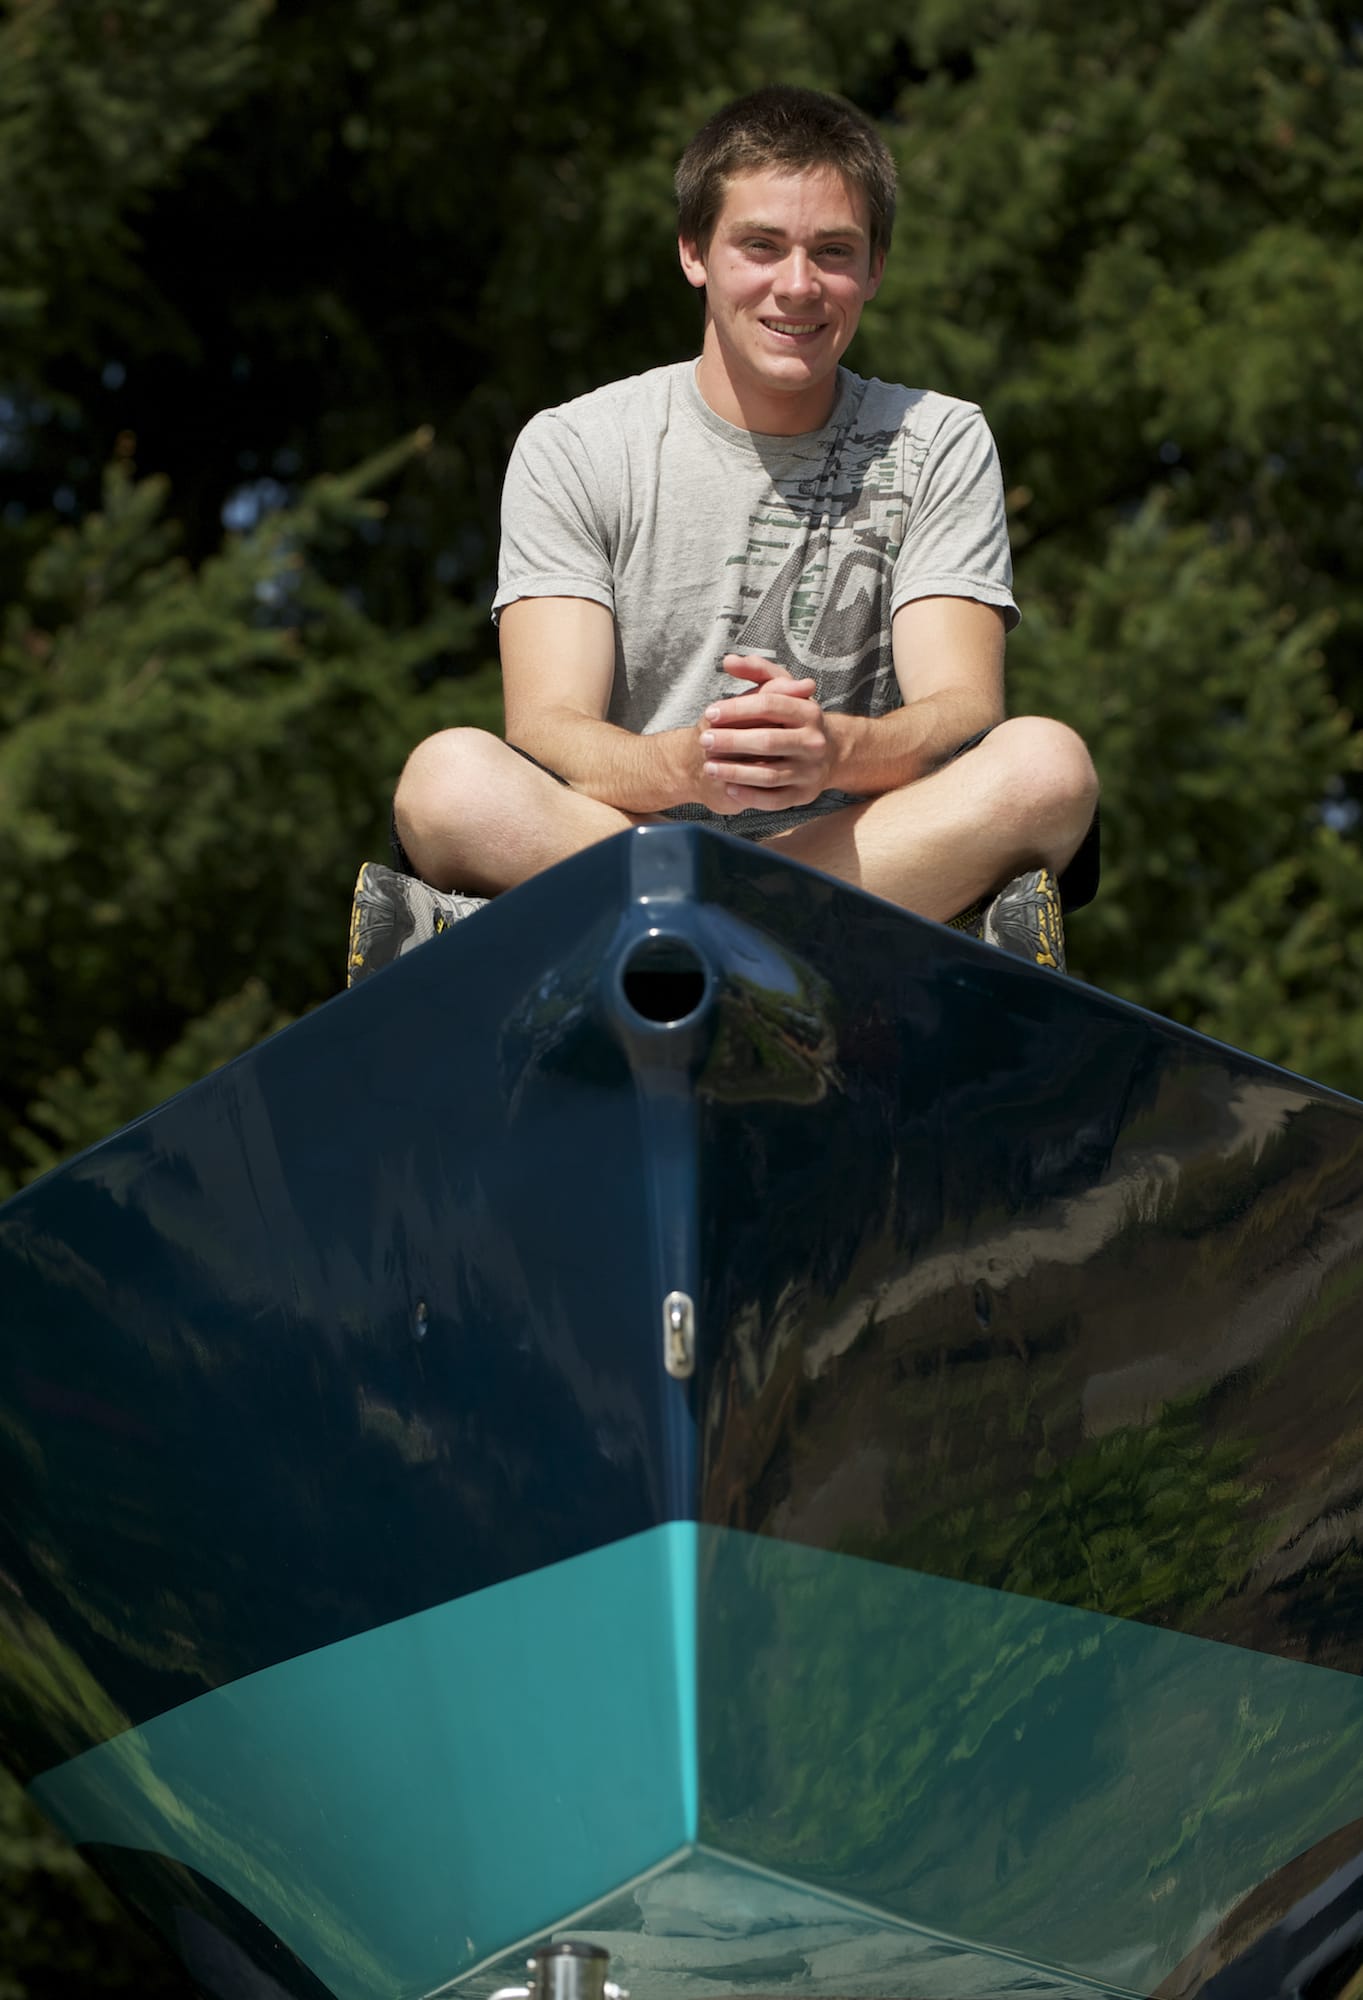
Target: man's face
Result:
[786, 274]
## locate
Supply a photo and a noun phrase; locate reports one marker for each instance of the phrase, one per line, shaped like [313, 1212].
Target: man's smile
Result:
[795, 329]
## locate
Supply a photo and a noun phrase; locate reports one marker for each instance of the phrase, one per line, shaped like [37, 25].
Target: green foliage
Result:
[99, 104]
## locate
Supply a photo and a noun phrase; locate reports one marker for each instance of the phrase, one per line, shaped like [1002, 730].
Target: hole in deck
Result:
[663, 979]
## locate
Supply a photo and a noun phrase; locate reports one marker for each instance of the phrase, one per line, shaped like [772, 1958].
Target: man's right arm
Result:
[558, 663]
[558, 641]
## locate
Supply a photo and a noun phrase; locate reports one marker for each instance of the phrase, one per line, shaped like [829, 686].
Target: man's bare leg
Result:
[473, 815]
[1022, 798]
[476, 816]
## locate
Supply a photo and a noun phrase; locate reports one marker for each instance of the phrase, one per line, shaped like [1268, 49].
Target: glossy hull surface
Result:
[982, 1614]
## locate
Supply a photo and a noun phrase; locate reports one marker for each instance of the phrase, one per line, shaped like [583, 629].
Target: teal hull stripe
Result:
[1081, 1791]
[400, 1805]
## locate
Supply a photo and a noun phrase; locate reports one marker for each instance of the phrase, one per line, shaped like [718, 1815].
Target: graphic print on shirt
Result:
[814, 581]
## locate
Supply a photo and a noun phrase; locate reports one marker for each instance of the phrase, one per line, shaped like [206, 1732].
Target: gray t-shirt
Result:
[702, 539]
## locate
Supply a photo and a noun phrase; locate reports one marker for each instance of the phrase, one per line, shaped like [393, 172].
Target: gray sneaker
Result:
[1024, 919]
[393, 913]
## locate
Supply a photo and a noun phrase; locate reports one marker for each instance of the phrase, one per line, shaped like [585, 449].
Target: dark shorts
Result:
[1078, 882]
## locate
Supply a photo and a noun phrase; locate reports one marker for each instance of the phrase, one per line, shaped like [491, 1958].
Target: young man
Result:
[757, 590]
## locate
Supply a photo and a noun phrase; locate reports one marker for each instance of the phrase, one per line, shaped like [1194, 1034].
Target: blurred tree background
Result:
[277, 291]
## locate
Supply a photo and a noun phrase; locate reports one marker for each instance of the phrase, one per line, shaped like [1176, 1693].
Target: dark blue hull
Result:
[956, 1592]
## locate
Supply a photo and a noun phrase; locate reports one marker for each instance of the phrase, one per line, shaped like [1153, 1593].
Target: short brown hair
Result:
[792, 129]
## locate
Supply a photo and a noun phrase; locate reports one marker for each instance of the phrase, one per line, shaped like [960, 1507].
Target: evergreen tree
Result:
[99, 105]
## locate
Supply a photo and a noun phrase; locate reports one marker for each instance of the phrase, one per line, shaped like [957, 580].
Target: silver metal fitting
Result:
[679, 1336]
[566, 1971]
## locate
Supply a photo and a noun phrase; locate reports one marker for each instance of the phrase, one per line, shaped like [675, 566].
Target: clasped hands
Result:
[767, 749]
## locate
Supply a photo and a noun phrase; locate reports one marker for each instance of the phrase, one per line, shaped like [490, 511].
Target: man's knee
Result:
[1048, 776]
[448, 785]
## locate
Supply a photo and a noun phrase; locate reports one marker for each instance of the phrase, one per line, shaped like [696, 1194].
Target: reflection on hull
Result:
[983, 1613]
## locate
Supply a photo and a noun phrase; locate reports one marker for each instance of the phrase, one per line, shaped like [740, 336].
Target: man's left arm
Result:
[947, 643]
[947, 638]
[774, 747]
[948, 660]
